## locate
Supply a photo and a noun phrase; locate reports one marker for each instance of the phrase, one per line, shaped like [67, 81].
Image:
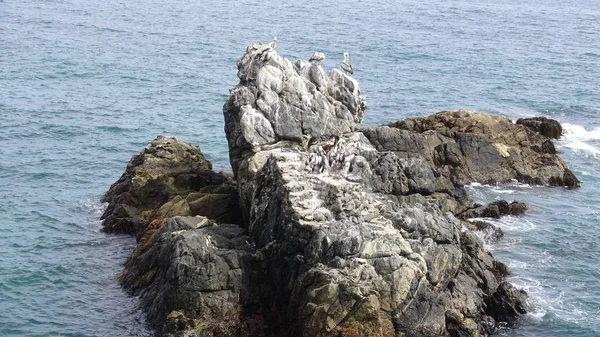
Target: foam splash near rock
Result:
[346, 231]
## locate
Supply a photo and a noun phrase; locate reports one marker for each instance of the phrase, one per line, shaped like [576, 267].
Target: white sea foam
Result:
[537, 314]
[513, 183]
[580, 133]
[504, 191]
[93, 210]
[517, 264]
[537, 298]
[488, 193]
[583, 147]
[545, 298]
[511, 223]
[92, 206]
[518, 184]
[578, 138]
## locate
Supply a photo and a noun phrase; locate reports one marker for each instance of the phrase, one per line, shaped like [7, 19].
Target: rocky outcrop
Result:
[195, 279]
[290, 104]
[339, 230]
[168, 178]
[358, 244]
[179, 260]
[542, 125]
[469, 146]
[494, 210]
[507, 302]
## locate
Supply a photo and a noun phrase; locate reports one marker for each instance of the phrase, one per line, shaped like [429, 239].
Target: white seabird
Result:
[316, 58]
[346, 66]
[274, 43]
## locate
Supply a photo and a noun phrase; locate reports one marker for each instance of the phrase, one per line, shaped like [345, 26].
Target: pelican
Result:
[274, 43]
[316, 58]
[346, 66]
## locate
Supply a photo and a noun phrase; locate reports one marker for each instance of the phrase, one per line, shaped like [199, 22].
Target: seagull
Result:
[346, 64]
[274, 43]
[316, 58]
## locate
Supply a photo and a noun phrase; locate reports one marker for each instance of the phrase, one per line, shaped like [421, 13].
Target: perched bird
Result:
[274, 43]
[316, 58]
[346, 66]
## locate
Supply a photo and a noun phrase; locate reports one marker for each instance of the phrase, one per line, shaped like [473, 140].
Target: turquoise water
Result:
[85, 84]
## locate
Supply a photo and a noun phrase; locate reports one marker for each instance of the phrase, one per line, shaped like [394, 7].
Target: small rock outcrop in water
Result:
[494, 210]
[345, 231]
[542, 125]
[168, 178]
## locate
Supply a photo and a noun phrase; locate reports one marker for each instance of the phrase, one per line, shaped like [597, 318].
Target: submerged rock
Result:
[487, 231]
[494, 210]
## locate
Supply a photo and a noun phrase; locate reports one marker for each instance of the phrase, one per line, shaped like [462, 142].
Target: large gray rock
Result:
[277, 101]
[195, 279]
[345, 232]
[355, 241]
[189, 271]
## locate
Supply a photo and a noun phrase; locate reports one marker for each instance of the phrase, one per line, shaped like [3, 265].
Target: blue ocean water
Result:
[85, 84]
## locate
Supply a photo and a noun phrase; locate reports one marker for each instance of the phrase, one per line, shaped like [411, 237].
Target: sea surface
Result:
[84, 85]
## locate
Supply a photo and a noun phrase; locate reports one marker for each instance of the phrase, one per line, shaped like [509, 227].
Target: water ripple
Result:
[87, 85]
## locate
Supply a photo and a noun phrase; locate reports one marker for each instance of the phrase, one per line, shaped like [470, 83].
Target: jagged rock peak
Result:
[347, 238]
[288, 104]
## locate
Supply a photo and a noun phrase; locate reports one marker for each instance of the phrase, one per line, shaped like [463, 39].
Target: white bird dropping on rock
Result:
[346, 66]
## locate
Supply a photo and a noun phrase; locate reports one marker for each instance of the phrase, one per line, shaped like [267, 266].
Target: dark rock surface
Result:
[195, 279]
[494, 210]
[542, 125]
[168, 178]
[469, 146]
[345, 231]
[182, 265]
[507, 302]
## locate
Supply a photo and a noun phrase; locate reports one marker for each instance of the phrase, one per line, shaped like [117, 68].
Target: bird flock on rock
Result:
[339, 156]
[318, 57]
